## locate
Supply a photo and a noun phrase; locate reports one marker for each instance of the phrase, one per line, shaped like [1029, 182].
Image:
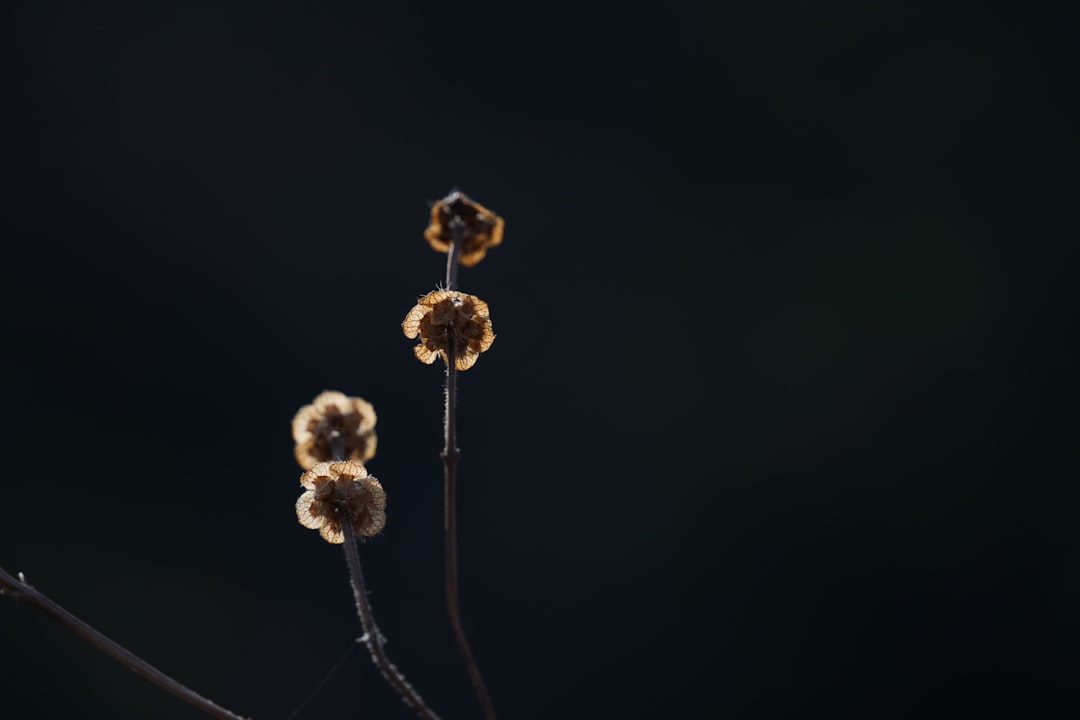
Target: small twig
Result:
[20, 590]
[372, 637]
[450, 455]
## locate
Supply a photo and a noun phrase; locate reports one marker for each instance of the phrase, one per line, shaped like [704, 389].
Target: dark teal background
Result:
[780, 420]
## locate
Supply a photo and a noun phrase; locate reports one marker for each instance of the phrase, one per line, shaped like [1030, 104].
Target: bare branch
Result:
[21, 591]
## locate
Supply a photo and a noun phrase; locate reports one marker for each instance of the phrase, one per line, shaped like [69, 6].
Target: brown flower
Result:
[334, 419]
[481, 228]
[446, 315]
[341, 492]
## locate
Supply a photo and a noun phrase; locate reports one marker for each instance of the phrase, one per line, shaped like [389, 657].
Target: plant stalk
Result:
[450, 455]
[373, 638]
[22, 591]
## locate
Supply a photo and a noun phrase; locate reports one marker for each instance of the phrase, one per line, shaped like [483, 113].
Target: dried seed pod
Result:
[341, 492]
[481, 228]
[334, 420]
[447, 316]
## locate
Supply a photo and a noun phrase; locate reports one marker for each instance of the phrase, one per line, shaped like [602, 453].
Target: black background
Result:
[779, 422]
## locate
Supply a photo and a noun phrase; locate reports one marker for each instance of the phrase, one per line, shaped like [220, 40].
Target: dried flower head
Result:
[481, 228]
[334, 421]
[444, 316]
[341, 492]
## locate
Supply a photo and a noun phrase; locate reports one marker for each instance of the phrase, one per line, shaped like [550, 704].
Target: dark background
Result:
[780, 420]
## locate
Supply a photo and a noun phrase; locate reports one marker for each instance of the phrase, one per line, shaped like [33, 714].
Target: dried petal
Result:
[334, 416]
[480, 228]
[309, 511]
[341, 492]
[446, 316]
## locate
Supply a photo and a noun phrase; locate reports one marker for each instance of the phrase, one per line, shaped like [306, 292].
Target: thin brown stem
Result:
[372, 637]
[337, 446]
[450, 455]
[457, 227]
[20, 590]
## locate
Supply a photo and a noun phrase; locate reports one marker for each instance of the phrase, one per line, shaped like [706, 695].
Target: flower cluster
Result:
[338, 493]
[479, 227]
[334, 420]
[334, 436]
[444, 317]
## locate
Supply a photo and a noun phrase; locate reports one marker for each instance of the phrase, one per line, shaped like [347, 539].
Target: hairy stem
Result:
[450, 455]
[372, 637]
[22, 591]
[457, 227]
